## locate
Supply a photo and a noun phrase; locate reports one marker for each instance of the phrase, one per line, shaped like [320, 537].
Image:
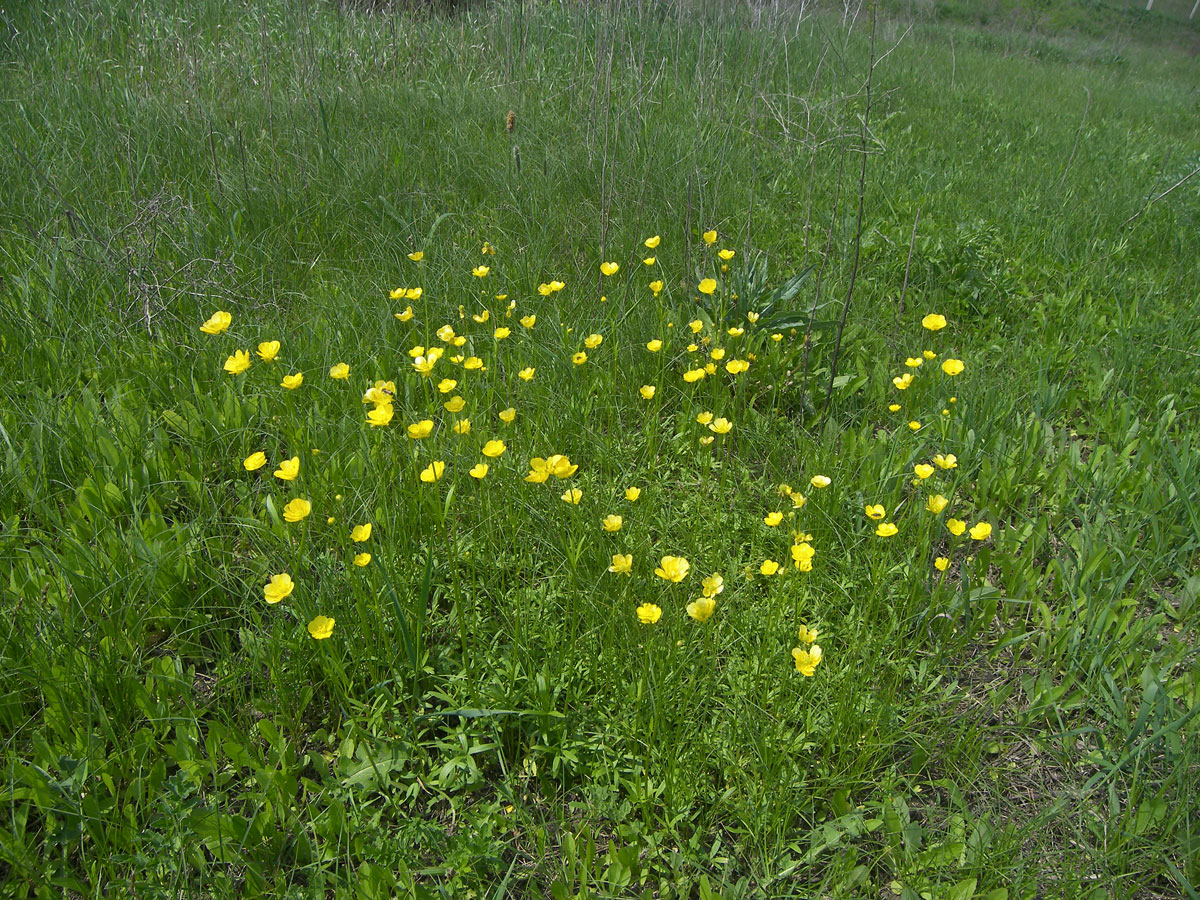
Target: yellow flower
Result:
[980, 531]
[718, 354]
[341, 371]
[362, 559]
[706, 440]
[622, 564]
[445, 334]
[507, 415]
[433, 471]
[455, 404]
[696, 325]
[808, 635]
[704, 418]
[923, 470]
[903, 381]
[556, 285]
[255, 461]
[652, 242]
[952, 366]
[803, 552]
[672, 568]
[886, 529]
[692, 348]
[875, 511]
[381, 415]
[807, 660]
[956, 526]
[647, 391]
[279, 588]
[473, 362]
[612, 523]
[609, 268]
[572, 496]
[752, 317]
[528, 321]
[736, 331]
[361, 533]
[693, 375]
[413, 294]
[941, 564]
[579, 358]
[737, 366]
[526, 374]
[656, 286]
[321, 627]
[419, 430]
[936, 503]
[417, 255]
[501, 333]
[406, 315]
[893, 407]
[949, 461]
[217, 322]
[702, 609]
[820, 481]
[914, 425]
[592, 341]
[632, 493]
[238, 363]
[446, 385]
[798, 499]
[934, 322]
[769, 567]
[493, 448]
[707, 285]
[268, 350]
[296, 510]
[462, 426]
[648, 613]
[914, 362]
[712, 585]
[720, 426]
[725, 254]
[710, 237]
[654, 346]
[773, 518]
[649, 261]
[929, 354]
[478, 471]
[288, 469]
[480, 271]
[424, 364]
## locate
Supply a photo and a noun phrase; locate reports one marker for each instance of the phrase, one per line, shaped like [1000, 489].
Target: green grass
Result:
[489, 718]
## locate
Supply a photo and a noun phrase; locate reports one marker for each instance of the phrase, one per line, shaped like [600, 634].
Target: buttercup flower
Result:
[886, 529]
[622, 564]
[238, 363]
[579, 358]
[893, 407]
[480, 271]
[712, 585]
[936, 503]
[291, 382]
[798, 499]
[736, 331]
[934, 322]
[773, 518]
[268, 350]
[462, 426]
[956, 526]
[941, 564]
[875, 511]
[652, 242]
[361, 533]
[406, 315]
[903, 381]
[656, 286]
[649, 261]
[648, 613]
[420, 430]
[455, 404]
[807, 660]
[528, 321]
[737, 366]
[321, 627]
[704, 418]
[572, 496]
[693, 375]
[949, 461]
[929, 354]
[433, 471]
[279, 588]
[820, 481]
[254, 461]
[501, 333]
[914, 425]
[923, 470]
[710, 237]
[381, 415]
[672, 568]
[706, 440]
[707, 285]
[507, 415]
[446, 385]
[952, 366]
[914, 362]
[526, 374]
[720, 426]
[478, 471]
[592, 341]
[296, 510]
[702, 609]
[769, 567]
[217, 322]
[474, 362]
[647, 391]
[612, 523]
[493, 448]
[417, 255]
[808, 635]
[288, 469]
[980, 531]
[654, 346]
[362, 559]
[609, 268]
[632, 493]
[340, 371]
[725, 254]
[445, 334]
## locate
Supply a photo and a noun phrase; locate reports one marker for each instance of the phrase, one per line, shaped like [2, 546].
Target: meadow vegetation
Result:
[523, 450]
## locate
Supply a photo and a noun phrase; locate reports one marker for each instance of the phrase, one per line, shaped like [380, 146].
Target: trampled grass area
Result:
[619, 242]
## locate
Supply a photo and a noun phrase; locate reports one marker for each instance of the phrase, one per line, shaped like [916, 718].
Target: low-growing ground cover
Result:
[426, 471]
